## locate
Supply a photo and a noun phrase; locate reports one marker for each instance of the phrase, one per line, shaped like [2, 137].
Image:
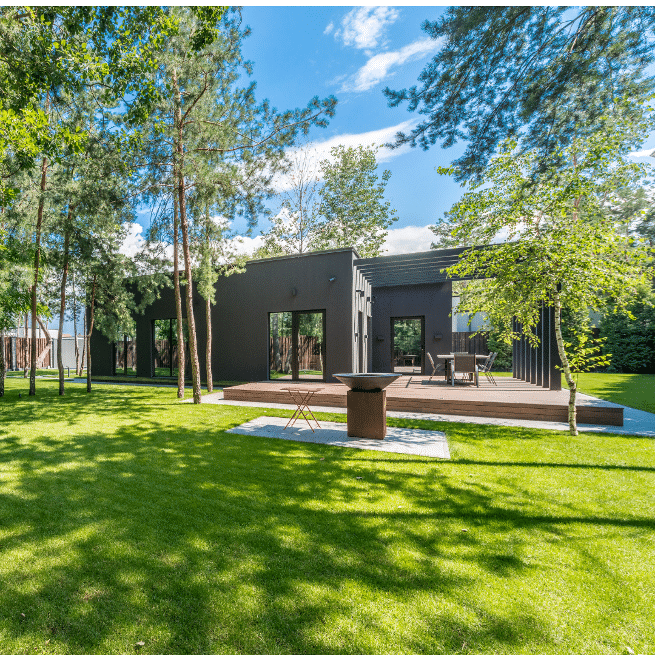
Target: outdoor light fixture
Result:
[437, 336]
[293, 291]
[380, 338]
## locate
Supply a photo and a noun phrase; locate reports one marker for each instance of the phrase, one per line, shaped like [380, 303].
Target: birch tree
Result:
[562, 243]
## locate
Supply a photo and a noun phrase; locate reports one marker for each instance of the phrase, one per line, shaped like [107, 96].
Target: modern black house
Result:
[309, 316]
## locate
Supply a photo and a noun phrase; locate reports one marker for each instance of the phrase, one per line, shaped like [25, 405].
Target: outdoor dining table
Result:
[449, 357]
[302, 398]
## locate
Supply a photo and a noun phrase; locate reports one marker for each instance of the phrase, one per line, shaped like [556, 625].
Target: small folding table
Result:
[302, 398]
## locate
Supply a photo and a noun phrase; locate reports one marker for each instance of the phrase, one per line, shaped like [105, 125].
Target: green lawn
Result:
[126, 516]
[633, 390]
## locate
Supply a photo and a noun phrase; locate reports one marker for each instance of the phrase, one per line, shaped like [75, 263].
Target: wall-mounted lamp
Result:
[294, 292]
[380, 338]
[437, 336]
[332, 279]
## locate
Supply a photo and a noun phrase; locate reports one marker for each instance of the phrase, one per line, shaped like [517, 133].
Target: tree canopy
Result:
[543, 75]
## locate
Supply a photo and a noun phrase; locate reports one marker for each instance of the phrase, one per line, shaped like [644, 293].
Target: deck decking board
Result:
[509, 399]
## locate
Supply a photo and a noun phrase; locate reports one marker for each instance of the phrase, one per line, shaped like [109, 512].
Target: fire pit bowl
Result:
[367, 382]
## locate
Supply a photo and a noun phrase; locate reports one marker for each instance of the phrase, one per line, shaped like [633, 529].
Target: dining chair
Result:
[436, 367]
[487, 367]
[465, 365]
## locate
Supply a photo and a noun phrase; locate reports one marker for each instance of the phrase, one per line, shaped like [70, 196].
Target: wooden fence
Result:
[309, 349]
[163, 355]
[23, 351]
[464, 342]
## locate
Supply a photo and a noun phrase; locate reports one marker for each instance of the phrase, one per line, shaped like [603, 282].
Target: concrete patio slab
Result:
[430, 444]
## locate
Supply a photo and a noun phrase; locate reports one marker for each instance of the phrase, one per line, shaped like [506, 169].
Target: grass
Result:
[632, 390]
[43, 372]
[158, 381]
[126, 516]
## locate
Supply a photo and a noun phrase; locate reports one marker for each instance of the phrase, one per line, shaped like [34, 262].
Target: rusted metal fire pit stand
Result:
[366, 412]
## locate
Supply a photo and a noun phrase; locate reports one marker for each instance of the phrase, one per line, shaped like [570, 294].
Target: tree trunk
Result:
[37, 257]
[182, 207]
[77, 350]
[84, 342]
[276, 342]
[208, 350]
[571, 383]
[88, 335]
[62, 310]
[178, 297]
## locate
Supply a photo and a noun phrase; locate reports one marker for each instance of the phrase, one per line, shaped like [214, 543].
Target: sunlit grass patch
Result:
[128, 516]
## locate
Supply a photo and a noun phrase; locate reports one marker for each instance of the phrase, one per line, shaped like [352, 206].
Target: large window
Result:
[165, 351]
[297, 345]
[126, 356]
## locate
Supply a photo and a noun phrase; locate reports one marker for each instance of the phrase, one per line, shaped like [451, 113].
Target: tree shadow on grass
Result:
[199, 541]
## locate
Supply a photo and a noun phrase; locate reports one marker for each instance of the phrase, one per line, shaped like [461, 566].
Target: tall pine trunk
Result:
[77, 349]
[62, 310]
[37, 257]
[571, 383]
[88, 335]
[84, 341]
[208, 349]
[182, 207]
[176, 286]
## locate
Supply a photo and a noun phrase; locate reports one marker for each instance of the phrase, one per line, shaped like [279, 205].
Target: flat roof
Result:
[394, 270]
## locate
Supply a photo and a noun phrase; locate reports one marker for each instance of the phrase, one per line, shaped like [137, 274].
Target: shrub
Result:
[630, 342]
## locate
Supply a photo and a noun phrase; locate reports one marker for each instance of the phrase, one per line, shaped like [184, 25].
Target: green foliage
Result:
[351, 202]
[541, 74]
[407, 335]
[560, 240]
[496, 344]
[629, 335]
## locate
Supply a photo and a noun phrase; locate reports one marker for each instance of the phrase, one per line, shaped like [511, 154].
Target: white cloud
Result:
[364, 27]
[246, 245]
[320, 150]
[329, 28]
[378, 67]
[411, 239]
[134, 241]
[643, 153]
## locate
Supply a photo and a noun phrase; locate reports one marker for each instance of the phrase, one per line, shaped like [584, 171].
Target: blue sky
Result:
[354, 53]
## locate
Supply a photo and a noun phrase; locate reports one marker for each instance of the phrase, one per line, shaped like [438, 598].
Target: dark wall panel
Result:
[432, 301]
[244, 301]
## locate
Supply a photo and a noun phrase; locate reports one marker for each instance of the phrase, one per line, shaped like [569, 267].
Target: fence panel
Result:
[309, 354]
[23, 350]
[466, 343]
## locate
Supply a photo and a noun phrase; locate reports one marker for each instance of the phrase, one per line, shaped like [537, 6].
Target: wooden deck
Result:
[508, 399]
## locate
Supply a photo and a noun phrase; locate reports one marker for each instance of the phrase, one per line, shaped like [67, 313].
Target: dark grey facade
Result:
[357, 316]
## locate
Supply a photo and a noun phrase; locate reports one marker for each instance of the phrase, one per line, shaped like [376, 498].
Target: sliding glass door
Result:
[297, 345]
[407, 345]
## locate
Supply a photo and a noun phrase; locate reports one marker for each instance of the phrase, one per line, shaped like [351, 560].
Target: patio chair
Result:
[465, 365]
[487, 368]
[436, 367]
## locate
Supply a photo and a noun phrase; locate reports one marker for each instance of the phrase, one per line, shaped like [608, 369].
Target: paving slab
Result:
[430, 444]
